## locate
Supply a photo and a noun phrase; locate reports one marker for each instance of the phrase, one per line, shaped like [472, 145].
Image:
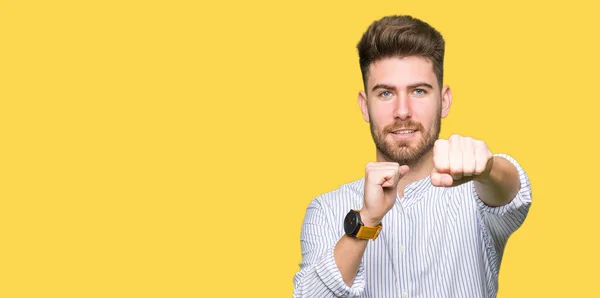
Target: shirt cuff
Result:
[521, 200]
[332, 277]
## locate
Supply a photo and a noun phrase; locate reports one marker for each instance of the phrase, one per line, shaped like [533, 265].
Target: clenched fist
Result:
[458, 160]
[381, 183]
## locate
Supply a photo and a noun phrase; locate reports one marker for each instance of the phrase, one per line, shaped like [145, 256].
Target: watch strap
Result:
[369, 232]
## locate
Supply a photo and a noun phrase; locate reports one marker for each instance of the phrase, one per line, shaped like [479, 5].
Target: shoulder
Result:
[341, 199]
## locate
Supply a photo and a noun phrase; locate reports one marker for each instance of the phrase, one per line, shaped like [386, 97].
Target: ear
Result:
[446, 101]
[362, 103]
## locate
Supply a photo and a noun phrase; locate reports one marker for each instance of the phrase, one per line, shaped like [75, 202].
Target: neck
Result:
[417, 171]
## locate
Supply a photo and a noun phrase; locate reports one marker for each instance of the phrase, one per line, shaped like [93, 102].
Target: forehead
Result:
[401, 72]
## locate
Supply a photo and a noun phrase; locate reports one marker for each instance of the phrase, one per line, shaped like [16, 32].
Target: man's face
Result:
[404, 106]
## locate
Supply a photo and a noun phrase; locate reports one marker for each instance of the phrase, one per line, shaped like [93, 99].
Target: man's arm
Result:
[459, 160]
[499, 185]
[504, 201]
[330, 265]
[349, 251]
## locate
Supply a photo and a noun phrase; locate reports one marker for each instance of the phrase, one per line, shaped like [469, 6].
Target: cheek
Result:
[381, 115]
[380, 110]
[425, 113]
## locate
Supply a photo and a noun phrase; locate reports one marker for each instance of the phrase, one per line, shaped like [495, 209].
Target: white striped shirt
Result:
[435, 242]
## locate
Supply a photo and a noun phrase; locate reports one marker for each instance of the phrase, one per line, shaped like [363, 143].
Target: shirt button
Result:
[404, 294]
[402, 250]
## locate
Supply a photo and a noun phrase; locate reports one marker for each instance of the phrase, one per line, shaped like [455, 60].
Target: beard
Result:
[405, 152]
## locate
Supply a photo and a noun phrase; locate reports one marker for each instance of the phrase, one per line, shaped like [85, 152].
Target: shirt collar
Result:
[417, 187]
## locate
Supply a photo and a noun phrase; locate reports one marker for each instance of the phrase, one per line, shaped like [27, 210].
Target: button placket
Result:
[405, 236]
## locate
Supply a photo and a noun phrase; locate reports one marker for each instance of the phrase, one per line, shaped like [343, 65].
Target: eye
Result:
[385, 94]
[419, 92]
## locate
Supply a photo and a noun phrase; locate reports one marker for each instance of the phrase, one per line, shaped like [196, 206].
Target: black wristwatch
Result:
[354, 227]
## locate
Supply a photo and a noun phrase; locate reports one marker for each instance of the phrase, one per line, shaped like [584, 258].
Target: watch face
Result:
[351, 223]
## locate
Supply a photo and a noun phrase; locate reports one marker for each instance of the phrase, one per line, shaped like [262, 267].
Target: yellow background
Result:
[170, 148]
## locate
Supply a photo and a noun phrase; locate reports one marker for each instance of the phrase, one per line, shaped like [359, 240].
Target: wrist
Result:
[486, 176]
[367, 220]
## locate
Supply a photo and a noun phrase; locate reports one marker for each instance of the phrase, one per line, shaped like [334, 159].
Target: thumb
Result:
[403, 170]
[441, 179]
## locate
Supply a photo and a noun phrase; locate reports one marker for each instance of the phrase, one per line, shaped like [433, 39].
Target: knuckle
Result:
[456, 170]
[440, 146]
[469, 170]
[369, 170]
[440, 161]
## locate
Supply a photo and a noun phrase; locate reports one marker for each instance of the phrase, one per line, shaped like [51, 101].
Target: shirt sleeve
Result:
[319, 275]
[502, 221]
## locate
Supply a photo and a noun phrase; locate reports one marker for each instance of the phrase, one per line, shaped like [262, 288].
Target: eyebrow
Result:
[412, 86]
[421, 84]
[383, 86]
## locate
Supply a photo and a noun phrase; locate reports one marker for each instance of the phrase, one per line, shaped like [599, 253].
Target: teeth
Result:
[404, 132]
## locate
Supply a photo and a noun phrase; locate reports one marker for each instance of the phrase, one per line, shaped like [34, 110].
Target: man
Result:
[431, 217]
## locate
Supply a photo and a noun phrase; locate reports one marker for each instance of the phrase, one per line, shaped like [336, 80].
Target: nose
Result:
[402, 108]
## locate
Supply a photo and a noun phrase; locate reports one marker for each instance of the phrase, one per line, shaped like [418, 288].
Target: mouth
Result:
[404, 131]
[404, 134]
